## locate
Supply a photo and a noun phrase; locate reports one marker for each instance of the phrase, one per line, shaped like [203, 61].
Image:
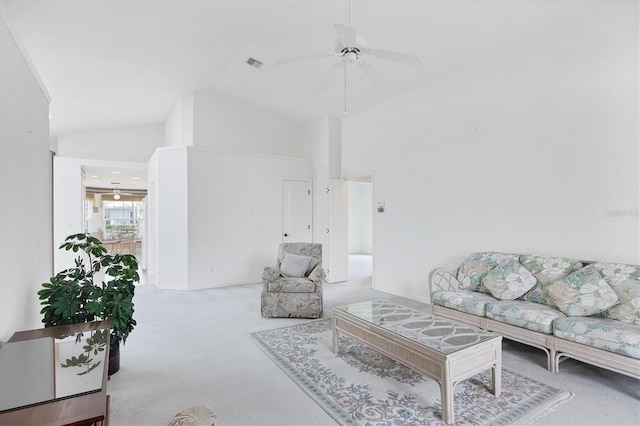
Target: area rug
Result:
[361, 386]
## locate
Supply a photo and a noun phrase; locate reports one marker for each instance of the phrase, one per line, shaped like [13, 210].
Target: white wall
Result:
[135, 144]
[215, 201]
[67, 207]
[178, 128]
[235, 214]
[316, 140]
[226, 124]
[528, 151]
[322, 146]
[168, 178]
[25, 189]
[218, 215]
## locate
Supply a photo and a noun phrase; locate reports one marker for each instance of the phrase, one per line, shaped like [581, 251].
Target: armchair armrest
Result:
[317, 275]
[270, 273]
[443, 280]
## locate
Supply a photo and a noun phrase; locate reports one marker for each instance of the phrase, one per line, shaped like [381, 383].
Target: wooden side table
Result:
[36, 389]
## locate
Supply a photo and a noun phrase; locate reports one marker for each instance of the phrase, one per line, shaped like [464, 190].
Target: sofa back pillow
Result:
[475, 267]
[582, 293]
[509, 280]
[625, 281]
[547, 269]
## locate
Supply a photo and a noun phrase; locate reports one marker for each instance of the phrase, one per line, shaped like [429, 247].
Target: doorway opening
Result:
[360, 214]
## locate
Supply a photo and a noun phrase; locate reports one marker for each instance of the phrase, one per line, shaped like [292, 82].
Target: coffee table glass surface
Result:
[437, 333]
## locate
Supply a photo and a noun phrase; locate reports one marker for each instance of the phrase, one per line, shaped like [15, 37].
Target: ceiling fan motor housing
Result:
[350, 54]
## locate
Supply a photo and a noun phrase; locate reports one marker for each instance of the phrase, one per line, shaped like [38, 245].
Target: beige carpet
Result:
[193, 348]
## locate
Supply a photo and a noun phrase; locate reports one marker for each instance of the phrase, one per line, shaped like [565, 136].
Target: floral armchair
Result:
[293, 287]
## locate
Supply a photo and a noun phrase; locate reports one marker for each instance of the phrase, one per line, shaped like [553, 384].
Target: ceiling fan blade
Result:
[326, 80]
[346, 35]
[286, 61]
[376, 78]
[395, 56]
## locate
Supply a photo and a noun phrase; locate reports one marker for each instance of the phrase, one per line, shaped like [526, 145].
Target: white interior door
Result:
[296, 211]
[338, 232]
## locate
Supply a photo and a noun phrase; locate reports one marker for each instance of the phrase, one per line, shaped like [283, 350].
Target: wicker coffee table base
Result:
[447, 369]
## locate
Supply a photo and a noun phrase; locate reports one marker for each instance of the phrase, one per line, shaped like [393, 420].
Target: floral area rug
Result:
[361, 386]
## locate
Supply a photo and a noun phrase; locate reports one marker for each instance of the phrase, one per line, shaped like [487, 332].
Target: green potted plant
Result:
[100, 286]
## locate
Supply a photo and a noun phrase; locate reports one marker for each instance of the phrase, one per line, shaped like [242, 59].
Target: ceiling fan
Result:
[117, 193]
[351, 48]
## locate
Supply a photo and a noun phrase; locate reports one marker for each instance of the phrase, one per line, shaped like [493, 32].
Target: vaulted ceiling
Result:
[113, 63]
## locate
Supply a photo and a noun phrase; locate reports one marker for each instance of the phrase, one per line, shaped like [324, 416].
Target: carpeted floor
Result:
[193, 348]
[363, 387]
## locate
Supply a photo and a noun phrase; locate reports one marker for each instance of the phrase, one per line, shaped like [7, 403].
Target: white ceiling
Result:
[114, 63]
[114, 177]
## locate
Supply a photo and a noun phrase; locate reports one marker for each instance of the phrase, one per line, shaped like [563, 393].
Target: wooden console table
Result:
[36, 390]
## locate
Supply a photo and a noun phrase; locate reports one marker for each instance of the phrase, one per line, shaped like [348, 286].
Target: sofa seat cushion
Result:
[475, 267]
[291, 285]
[603, 333]
[470, 302]
[532, 316]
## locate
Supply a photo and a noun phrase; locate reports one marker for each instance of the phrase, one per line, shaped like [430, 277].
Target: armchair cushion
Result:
[291, 285]
[294, 265]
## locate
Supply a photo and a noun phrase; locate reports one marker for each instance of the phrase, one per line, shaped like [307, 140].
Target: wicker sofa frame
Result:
[555, 347]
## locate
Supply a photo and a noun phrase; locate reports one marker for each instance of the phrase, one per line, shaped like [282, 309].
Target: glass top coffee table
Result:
[444, 350]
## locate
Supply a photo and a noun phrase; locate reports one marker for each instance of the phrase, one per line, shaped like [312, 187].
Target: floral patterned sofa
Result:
[589, 311]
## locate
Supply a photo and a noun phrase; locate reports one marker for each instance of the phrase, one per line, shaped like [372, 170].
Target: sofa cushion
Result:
[532, 316]
[475, 267]
[547, 269]
[625, 281]
[291, 285]
[470, 302]
[610, 335]
[583, 293]
[294, 265]
[509, 280]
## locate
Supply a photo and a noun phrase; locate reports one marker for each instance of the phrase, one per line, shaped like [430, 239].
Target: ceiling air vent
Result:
[254, 62]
